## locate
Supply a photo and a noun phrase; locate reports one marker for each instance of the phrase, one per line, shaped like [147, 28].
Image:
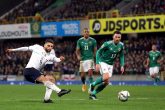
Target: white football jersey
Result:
[53, 53]
[39, 56]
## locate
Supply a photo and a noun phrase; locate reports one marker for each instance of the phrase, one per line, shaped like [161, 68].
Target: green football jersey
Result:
[153, 57]
[109, 51]
[86, 47]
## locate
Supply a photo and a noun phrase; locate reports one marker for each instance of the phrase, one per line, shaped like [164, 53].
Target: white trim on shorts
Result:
[106, 68]
[86, 65]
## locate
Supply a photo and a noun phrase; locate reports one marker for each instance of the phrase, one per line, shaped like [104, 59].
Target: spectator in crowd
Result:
[136, 50]
[149, 6]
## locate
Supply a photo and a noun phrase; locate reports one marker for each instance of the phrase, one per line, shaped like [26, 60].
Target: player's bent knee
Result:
[90, 72]
[106, 76]
[152, 75]
[82, 74]
[50, 78]
[42, 79]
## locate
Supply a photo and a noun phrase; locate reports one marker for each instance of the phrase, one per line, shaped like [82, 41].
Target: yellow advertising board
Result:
[138, 24]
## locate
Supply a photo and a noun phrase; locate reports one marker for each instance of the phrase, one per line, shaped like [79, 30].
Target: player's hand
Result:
[122, 70]
[9, 50]
[146, 66]
[79, 58]
[97, 67]
[62, 58]
[159, 61]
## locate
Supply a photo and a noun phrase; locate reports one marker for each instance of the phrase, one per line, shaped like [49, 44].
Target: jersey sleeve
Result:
[33, 47]
[78, 44]
[95, 43]
[53, 52]
[53, 58]
[122, 56]
[160, 54]
[20, 49]
[99, 51]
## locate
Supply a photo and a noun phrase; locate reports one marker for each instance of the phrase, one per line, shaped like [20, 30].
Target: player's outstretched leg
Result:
[90, 74]
[63, 92]
[91, 88]
[92, 85]
[97, 90]
[84, 87]
[48, 101]
[83, 79]
[93, 97]
[59, 91]
[47, 96]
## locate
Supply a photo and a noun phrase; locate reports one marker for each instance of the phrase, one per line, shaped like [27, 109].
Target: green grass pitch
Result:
[30, 97]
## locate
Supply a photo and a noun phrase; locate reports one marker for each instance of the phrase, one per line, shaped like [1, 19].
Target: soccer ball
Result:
[123, 95]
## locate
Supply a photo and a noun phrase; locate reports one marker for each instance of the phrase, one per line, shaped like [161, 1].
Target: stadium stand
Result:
[29, 8]
[7, 5]
[149, 6]
[136, 50]
[74, 9]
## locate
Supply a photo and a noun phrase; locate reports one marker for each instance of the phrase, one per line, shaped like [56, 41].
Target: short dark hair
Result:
[49, 40]
[117, 32]
[85, 29]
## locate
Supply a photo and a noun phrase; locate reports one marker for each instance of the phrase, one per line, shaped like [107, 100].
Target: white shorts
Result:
[105, 68]
[86, 65]
[153, 70]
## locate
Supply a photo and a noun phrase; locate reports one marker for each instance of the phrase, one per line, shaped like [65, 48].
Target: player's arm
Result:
[53, 58]
[122, 60]
[99, 51]
[160, 59]
[78, 53]
[78, 50]
[30, 48]
[98, 55]
[147, 62]
[95, 48]
[146, 65]
[18, 49]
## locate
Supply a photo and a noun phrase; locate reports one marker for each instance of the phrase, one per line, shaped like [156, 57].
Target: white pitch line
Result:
[70, 99]
[41, 99]
[140, 98]
[76, 99]
[146, 98]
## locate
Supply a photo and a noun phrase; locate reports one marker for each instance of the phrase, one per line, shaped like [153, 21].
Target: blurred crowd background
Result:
[136, 48]
[73, 9]
[136, 51]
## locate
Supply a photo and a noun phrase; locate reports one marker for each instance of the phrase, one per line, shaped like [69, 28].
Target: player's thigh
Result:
[153, 70]
[86, 65]
[156, 70]
[50, 77]
[31, 74]
[90, 64]
[105, 68]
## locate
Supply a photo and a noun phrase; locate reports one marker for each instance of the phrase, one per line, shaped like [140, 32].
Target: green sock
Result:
[83, 80]
[98, 81]
[90, 80]
[157, 79]
[99, 88]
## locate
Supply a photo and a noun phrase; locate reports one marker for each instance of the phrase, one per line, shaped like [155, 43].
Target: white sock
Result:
[52, 86]
[48, 93]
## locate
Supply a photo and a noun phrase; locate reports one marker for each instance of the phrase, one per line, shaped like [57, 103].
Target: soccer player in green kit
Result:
[86, 51]
[153, 61]
[105, 58]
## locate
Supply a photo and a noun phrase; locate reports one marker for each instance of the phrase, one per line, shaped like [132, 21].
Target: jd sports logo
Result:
[96, 26]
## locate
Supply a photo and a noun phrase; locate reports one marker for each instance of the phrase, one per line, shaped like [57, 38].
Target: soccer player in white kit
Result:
[40, 56]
